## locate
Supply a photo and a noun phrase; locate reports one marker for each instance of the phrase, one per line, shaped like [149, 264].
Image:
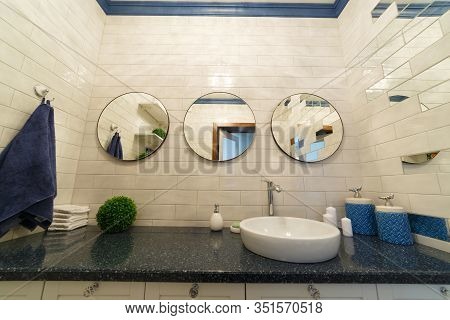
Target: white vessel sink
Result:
[291, 239]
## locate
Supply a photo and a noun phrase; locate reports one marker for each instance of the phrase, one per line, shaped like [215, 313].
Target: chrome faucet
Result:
[271, 187]
[388, 200]
[357, 191]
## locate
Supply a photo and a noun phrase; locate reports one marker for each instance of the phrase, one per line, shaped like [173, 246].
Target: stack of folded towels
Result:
[69, 217]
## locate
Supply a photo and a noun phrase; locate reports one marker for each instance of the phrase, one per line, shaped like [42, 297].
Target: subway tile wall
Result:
[28, 56]
[385, 132]
[179, 59]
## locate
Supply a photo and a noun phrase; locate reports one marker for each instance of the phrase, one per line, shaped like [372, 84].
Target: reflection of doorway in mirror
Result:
[219, 126]
[231, 139]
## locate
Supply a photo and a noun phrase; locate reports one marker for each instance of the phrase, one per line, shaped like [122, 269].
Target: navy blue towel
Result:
[115, 147]
[28, 174]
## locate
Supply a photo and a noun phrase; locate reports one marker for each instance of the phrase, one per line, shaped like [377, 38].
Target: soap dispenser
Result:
[216, 221]
[361, 212]
[393, 223]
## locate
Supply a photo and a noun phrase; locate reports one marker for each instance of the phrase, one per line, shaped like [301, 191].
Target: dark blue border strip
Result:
[104, 5]
[339, 6]
[225, 9]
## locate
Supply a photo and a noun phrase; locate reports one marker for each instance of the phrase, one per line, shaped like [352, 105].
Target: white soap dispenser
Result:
[216, 221]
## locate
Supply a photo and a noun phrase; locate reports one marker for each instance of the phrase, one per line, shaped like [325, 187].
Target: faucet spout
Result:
[271, 187]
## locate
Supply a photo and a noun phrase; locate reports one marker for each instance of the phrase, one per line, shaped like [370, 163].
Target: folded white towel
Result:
[68, 226]
[71, 209]
[69, 220]
[64, 216]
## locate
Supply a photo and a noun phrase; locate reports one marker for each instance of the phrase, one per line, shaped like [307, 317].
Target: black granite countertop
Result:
[198, 255]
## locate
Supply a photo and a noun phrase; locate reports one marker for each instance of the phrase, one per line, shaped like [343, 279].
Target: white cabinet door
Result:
[413, 292]
[21, 290]
[187, 291]
[300, 291]
[79, 290]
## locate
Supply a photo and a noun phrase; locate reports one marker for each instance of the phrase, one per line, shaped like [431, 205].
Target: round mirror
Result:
[133, 126]
[307, 128]
[219, 126]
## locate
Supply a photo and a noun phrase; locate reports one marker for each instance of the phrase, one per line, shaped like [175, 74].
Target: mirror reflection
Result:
[219, 126]
[381, 7]
[393, 44]
[431, 86]
[133, 126]
[428, 162]
[423, 222]
[401, 49]
[420, 158]
[307, 128]
[431, 227]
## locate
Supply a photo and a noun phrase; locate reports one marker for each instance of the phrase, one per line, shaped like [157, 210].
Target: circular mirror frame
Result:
[157, 149]
[184, 126]
[278, 145]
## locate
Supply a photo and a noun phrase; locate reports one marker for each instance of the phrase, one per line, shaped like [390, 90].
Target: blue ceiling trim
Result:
[339, 6]
[104, 5]
[227, 9]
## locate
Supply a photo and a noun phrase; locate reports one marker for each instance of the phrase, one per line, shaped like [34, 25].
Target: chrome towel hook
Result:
[42, 92]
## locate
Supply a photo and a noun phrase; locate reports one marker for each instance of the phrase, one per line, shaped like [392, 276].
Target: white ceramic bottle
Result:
[216, 221]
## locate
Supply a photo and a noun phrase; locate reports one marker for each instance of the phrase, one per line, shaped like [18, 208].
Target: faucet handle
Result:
[357, 191]
[273, 187]
[387, 199]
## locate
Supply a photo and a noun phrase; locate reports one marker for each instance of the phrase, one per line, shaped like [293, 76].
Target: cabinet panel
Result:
[76, 290]
[187, 291]
[413, 292]
[21, 290]
[300, 291]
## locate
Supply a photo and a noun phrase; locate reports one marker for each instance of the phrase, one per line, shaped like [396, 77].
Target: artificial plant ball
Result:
[116, 214]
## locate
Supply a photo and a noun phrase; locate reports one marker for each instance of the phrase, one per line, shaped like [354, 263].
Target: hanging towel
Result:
[115, 147]
[28, 174]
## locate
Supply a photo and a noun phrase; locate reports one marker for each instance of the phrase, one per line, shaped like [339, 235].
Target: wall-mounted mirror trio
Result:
[220, 127]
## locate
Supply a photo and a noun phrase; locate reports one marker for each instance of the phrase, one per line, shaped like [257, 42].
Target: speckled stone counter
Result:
[198, 255]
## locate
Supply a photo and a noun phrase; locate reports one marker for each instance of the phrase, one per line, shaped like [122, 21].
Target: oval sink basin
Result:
[291, 239]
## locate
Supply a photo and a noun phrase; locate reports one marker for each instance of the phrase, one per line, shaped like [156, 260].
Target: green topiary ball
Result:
[116, 214]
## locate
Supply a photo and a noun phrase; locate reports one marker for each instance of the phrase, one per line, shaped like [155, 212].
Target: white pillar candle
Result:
[347, 229]
[332, 214]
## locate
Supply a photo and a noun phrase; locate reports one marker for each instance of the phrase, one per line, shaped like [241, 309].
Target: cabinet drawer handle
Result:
[89, 291]
[444, 291]
[313, 292]
[193, 292]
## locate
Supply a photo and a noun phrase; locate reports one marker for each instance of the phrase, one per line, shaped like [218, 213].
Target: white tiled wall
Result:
[388, 132]
[179, 59]
[28, 56]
